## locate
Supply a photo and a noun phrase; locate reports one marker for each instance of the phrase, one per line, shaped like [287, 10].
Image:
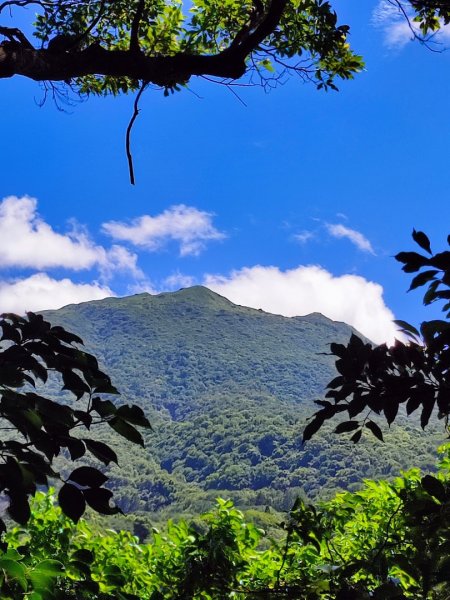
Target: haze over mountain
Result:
[228, 390]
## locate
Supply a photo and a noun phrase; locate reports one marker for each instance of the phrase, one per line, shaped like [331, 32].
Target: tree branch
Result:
[134, 33]
[15, 35]
[42, 65]
[128, 134]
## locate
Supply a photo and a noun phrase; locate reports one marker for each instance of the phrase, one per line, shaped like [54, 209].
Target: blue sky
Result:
[294, 202]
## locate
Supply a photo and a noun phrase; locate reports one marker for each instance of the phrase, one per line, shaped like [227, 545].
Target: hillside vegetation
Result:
[228, 390]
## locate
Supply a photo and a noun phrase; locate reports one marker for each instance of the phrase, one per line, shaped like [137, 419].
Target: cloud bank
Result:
[40, 292]
[189, 227]
[27, 241]
[307, 289]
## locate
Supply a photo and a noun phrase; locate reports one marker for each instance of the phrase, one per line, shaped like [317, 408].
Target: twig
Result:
[130, 127]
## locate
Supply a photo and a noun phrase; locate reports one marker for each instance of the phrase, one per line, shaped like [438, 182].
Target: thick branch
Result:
[42, 65]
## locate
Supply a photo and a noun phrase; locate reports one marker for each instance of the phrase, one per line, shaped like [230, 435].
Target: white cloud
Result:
[40, 292]
[179, 280]
[27, 241]
[357, 238]
[189, 227]
[397, 31]
[307, 289]
[304, 236]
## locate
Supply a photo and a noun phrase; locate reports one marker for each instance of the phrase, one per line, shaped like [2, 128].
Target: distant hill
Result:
[228, 390]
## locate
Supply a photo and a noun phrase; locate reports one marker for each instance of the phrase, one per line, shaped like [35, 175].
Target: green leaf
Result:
[14, 572]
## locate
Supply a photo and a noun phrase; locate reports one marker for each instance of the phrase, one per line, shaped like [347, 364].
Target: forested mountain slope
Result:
[228, 390]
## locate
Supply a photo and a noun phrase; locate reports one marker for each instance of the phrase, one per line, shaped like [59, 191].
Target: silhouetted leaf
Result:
[104, 408]
[356, 436]
[74, 384]
[18, 508]
[133, 414]
[346, 426]
[422, 279]
[406, 327]
[88, 476]
[420, 238]
[72, 501]
[98, 499]
[434, 487]
[101, 451]
[127, 431]
[373, 427]
[312, 428]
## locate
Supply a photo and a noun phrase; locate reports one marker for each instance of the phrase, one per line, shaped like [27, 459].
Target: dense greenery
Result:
[36, 428]
[389, 540]
[228, 390]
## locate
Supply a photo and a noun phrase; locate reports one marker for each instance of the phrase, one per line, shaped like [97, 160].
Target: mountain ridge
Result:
[228, 390]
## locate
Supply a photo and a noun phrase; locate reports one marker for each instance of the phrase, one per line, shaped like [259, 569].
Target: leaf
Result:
[125, 430]
[422, 279]
[83, 555]
[422, 239]
[101, 451]
[98, 499]
[406, 327]
[50, 567]
[133, 414]
[18, 508]
[72, 501]
[75, 446]
[346, 426]
[312, 428]
[74, 384]
[412, 261]
[88, 477]
[14, 571]
[65, 336]
[44, 574]
[104, 408]
[356, 436]
[434, 487]
[426, 413]
[373, 427]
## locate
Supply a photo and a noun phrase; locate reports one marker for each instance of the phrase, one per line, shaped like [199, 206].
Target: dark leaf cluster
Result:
[379, 380]
[36, 428]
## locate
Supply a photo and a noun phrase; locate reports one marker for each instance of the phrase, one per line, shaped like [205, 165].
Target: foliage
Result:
[36, 428]
[228, 390]
[415, 374]
[388, 540]
[111, 47]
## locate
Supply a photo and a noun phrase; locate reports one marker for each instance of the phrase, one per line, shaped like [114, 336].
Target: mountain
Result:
[228, 390]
